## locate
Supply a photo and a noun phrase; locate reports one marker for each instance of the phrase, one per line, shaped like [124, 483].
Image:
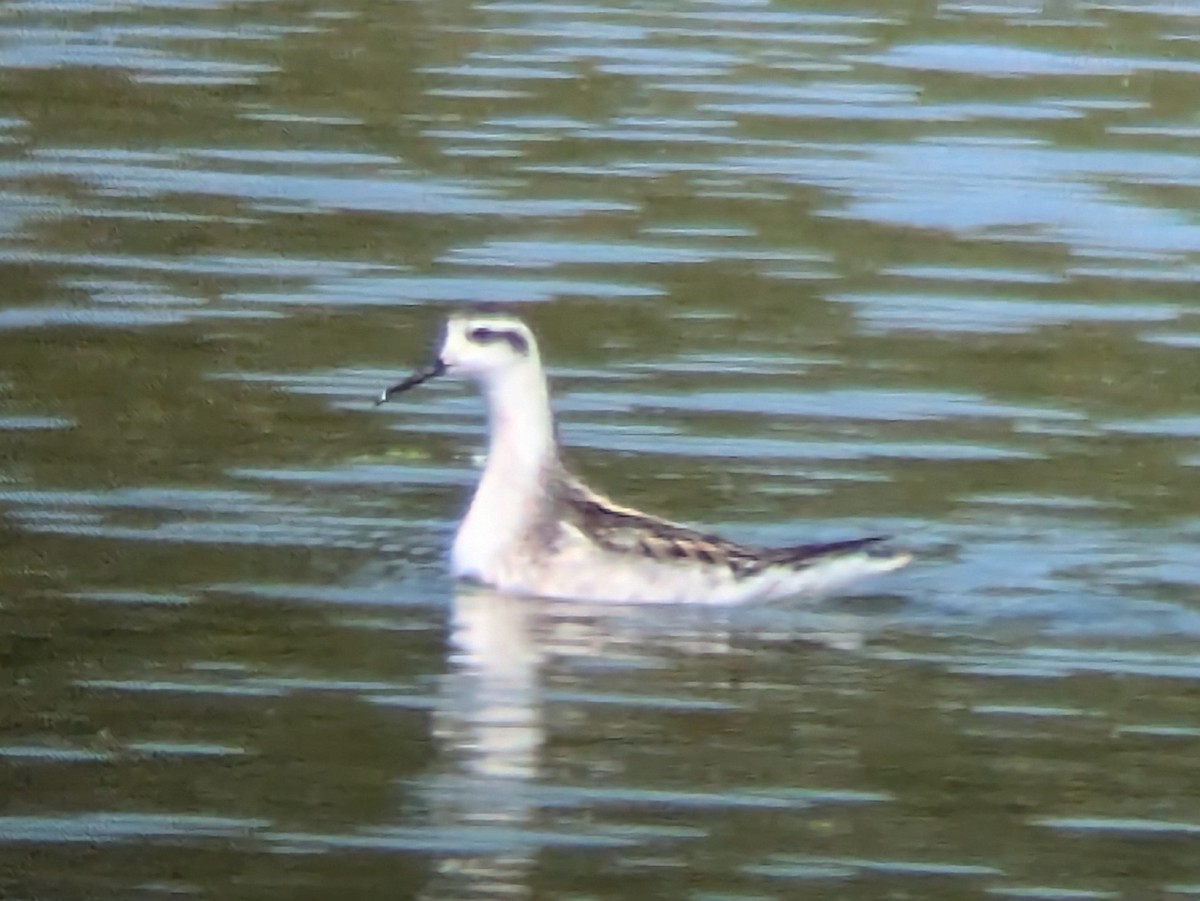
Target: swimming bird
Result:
[533, 528]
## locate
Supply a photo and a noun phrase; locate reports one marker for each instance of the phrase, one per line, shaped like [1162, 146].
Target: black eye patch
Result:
[484, 335]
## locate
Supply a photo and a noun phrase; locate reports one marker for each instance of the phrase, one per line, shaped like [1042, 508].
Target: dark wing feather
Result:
[799, 554]
[624, 530]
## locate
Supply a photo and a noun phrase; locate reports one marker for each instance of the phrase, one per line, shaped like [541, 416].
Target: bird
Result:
[533, 528]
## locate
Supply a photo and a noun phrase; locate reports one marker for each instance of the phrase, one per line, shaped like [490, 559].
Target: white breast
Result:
[495, 527]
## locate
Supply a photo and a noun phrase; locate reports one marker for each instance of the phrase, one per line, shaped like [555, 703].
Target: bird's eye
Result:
[481, 334]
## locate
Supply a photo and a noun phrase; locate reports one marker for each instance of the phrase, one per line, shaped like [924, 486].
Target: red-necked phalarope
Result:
[535, 529]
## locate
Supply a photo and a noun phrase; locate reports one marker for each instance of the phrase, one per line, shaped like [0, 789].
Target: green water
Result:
[798, 271]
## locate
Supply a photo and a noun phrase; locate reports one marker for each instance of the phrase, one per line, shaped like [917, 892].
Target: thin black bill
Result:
[417, 378]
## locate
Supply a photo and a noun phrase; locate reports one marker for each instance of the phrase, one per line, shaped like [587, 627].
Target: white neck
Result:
[521, 452]
[520, 423]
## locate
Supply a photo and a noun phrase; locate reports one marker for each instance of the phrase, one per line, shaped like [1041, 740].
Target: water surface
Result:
[799, 272]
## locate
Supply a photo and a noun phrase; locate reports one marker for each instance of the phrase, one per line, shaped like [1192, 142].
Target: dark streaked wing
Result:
[625, 530]
[806, 553]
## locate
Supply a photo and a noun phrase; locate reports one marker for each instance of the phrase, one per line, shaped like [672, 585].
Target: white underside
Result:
[577, 569]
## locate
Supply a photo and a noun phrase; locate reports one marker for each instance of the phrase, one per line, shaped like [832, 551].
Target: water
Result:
[925, 268]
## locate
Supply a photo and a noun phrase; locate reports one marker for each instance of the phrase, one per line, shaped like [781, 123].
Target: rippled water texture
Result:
[800, 271]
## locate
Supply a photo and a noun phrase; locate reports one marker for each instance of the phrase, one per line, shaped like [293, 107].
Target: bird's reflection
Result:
[490, 715]
[488, 726]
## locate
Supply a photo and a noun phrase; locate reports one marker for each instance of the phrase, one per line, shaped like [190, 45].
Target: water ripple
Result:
[99, 828]
[391, 192]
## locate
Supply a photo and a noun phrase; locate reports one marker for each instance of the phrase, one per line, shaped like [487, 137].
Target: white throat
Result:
[522, 452]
